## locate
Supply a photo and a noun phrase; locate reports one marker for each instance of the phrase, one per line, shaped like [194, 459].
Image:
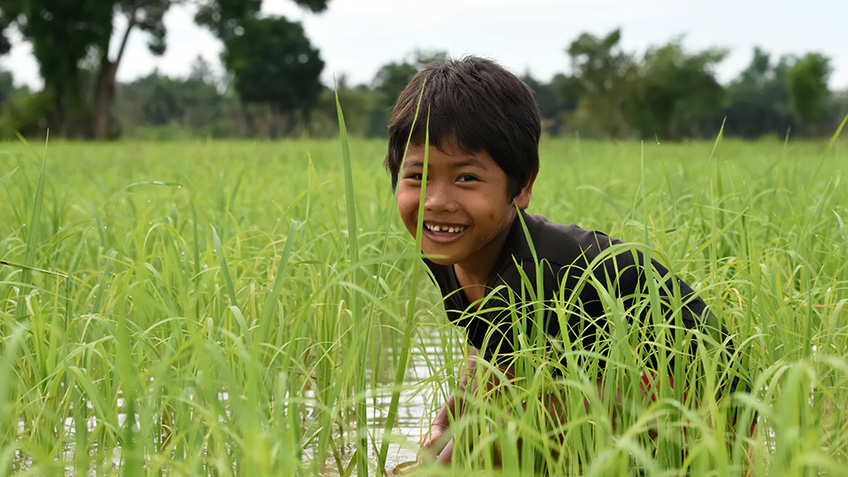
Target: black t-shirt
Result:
[577, 268]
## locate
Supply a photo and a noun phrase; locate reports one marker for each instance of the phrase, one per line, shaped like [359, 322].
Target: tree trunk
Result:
[104, 96]
[106, 84]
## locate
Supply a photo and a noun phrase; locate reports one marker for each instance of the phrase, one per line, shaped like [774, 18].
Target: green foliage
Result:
[807, 84]
[548, 101]
[667, 93]
[71, 42]
[603, 74]
[674, 91]
[759, 99]
[64, 35]
[274, 63]
[227, 18]
[23, 113]
[7, 86]
[193, 104]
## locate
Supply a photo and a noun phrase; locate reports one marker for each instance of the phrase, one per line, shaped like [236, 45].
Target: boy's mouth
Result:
[443, 228]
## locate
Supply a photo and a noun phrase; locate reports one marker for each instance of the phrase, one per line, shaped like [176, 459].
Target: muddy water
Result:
[412, 420]
[409, 428]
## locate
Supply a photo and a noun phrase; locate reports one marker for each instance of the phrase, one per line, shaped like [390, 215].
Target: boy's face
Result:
[467, 210]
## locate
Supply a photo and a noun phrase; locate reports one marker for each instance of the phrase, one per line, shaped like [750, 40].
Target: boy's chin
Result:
[440, 259]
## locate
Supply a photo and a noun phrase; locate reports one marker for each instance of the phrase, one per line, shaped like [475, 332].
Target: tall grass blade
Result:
[270, 300]
[225, 269]
[8, 386]
[362, 337]
[400, 371]
[7, 175]
[833, 139]
[26, 275]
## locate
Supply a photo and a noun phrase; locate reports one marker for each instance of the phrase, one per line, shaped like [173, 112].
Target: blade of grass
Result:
[26, 274]
[361, 344]
[400, 372]
[7, 175]
[225, 269]
[270, 300]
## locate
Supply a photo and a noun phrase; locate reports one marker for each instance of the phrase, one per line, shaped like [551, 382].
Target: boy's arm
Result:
[455, 405]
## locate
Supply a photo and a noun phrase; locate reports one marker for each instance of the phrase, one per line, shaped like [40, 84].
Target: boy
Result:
[483, 160]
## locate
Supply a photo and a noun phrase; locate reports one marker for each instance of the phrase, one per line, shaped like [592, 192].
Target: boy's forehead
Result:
[454, 161]
[447, 145]
[450, 156]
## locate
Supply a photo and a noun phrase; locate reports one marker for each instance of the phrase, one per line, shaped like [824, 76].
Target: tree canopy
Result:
[274, 63]
[807, 86]
[673, 91]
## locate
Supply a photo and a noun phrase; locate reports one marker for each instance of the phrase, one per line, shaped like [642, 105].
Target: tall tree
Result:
[807, 86]
[674, 91]
[7, 86]
[548, 101]
[274, 64]
[758, 100]
[603, 71]
[64, 34]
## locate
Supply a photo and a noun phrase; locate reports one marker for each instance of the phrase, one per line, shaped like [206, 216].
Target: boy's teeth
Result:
[442, 228]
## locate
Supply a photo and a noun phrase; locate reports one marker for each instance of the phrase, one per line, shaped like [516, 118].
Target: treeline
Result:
[667, 92]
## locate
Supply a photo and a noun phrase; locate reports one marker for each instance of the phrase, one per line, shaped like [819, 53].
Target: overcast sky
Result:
[356, 37]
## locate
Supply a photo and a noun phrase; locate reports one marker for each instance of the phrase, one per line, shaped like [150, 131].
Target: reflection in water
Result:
[409, 428]
[414, 403]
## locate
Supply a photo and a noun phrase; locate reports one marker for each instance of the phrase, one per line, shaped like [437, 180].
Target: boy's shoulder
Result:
[557, 244]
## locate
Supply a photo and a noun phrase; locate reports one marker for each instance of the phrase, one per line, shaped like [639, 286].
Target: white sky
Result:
[356, 37]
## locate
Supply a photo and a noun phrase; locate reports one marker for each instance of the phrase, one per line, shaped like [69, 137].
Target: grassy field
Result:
[243, 308]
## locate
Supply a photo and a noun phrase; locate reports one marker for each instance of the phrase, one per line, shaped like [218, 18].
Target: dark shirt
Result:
[578, 268]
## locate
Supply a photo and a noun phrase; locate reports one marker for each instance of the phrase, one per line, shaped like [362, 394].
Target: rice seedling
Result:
[223, 308]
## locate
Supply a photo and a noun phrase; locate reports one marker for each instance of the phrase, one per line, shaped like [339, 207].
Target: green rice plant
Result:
[222, 308]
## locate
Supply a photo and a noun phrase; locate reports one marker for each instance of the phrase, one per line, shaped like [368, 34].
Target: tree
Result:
[274, 64]
[22, 111]
[758, 100]
[7, 86]
[167, 107]
[807, 86]
[65, 34]
[548, 101]
[568, 90]
[673, 91]
[603, 72]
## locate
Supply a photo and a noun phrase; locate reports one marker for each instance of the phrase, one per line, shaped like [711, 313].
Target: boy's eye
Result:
[416, 176]
[466, 178]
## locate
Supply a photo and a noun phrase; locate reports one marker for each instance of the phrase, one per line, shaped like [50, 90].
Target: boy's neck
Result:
[473, 286]
[473, 276]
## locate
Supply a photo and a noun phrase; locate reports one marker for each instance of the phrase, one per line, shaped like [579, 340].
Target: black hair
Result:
[477, 103]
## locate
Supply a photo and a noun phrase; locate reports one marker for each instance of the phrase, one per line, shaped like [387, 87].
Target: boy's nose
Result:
[438, 198]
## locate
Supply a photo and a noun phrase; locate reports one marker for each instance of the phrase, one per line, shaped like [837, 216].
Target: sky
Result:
[356, 37]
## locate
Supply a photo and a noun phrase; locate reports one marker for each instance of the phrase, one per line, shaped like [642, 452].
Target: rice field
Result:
[256, 308]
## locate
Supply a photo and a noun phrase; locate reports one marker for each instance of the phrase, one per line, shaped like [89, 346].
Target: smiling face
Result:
[467, 209]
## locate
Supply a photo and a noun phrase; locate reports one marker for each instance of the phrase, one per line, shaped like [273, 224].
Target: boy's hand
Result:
[434, 443]
[433, 438]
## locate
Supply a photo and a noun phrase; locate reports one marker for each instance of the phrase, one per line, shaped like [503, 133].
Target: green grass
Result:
[215, 292]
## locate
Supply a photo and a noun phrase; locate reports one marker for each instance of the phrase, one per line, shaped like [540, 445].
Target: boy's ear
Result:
[522, 199]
